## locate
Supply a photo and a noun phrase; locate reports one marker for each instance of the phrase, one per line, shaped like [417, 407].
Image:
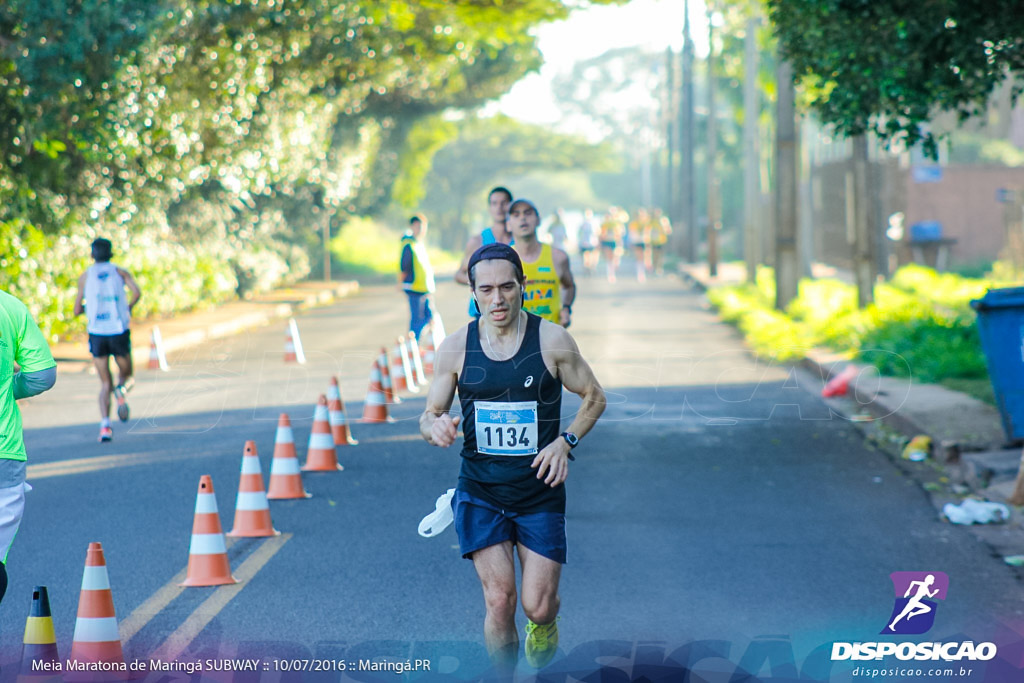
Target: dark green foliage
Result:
[887, 67]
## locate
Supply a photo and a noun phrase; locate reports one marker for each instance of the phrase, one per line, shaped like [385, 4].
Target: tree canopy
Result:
[235, 129]
[888, 67]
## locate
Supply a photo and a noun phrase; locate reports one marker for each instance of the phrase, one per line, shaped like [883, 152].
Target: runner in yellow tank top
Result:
[550, 288]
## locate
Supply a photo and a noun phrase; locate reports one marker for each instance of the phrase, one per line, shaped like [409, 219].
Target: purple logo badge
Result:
[916, 593]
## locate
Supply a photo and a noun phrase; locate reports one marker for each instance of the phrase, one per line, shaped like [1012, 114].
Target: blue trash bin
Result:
[1001, 327]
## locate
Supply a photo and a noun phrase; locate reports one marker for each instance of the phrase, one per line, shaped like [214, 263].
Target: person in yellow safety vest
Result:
[661, 228]
[417, 275]
[550, 288]
[640, 240]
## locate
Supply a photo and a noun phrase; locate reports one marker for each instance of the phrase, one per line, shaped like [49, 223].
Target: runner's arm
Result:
[559, 349]
[133, 287]
[462, 274]
[576, 375]
[37, 371]
[28, 384]
[568, 284]
[80, 296]
[437, 427]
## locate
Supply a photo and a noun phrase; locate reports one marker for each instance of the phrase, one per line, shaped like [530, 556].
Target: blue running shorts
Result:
[480, 525]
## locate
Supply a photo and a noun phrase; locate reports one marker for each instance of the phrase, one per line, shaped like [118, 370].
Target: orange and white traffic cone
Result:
[429, 352]
[417, 360]
[385, 378]
[207, 554]
[96, 639]
[293, 344]
[840, 384]
[252, 512]
[337, 417]
[285, 476]
[39, 646]
[375, 407]
[437, 333]
[410, 379]
[157, 357]
[398, 377]
[321, 456]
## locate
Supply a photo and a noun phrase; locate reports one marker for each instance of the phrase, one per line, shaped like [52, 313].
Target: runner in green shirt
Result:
[27, 368]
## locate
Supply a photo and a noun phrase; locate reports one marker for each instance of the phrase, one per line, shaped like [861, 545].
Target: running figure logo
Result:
[914, 611]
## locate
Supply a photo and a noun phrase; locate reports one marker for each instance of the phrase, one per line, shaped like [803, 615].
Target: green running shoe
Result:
[541, 643]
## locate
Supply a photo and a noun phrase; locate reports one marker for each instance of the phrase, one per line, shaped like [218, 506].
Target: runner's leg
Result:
[106, 384]
[540, 586]
[495, 565]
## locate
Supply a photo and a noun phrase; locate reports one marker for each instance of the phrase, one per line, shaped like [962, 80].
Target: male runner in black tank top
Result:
[509, 367]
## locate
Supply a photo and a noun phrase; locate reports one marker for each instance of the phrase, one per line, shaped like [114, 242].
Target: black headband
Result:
[496, 251]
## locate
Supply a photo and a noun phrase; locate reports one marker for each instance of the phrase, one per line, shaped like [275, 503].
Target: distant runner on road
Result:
[498, 201]
[509, 367]
[27, 368]
[101, 295]
[550, 288]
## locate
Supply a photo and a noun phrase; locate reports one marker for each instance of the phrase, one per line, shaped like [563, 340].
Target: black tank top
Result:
[504, 395]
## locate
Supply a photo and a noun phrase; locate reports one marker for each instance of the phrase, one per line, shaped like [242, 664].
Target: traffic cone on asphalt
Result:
[375, 407]
[410, 380]
[385, 378]
[417, 360]
[321, 456]
[399, 380]
[429, 351]
[840, 384]
[337, 417]
[437, 333]
[252, 513]
[207, 553]
[96, 638]
[285, 476]
[293, 344]
[157, 357]
[40, 642]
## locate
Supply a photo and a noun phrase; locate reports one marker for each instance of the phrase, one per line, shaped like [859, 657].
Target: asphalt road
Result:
[718, 502]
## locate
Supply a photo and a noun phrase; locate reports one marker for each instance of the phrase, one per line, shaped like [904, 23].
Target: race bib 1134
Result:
[506, 428]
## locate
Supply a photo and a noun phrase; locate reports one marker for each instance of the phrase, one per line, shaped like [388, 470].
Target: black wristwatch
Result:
[568, 308]
[572, 440]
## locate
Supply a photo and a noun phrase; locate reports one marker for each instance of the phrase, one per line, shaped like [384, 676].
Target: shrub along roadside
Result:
[920, 325]
[42, 270]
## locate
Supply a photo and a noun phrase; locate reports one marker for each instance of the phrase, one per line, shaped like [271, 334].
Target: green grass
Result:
[920, 323]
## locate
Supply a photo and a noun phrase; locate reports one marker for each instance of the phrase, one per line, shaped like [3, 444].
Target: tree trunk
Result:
[786, 262]
[863, 236]
[669, 121]
[712, 151]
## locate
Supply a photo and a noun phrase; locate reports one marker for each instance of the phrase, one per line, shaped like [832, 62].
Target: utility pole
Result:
[786, 261]
[712, 149]
[687, 191]
[751, 152]
[670, 138]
